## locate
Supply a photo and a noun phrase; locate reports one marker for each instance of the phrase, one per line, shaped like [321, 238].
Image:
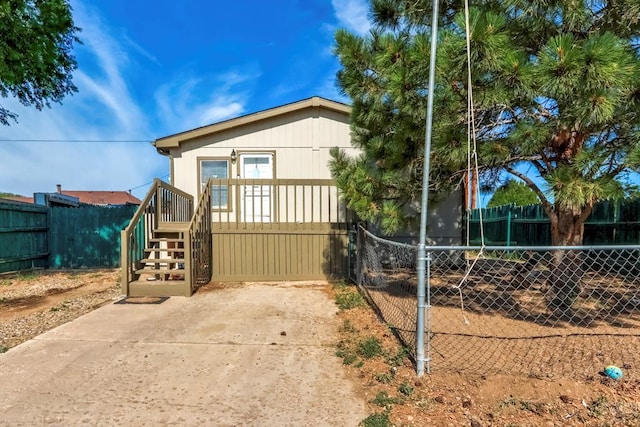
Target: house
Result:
[290, 141]
[74, 198]
[97, 198]
[251, 198]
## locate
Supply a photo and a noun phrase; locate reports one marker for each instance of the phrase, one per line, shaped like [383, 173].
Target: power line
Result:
[76, 140]
[147, 184]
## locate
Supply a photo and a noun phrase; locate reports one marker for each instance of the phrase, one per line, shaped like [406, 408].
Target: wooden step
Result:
[162, 260]
[172, 227]
[160, 270]
[158, 288]
[166, 239]
[164, 249]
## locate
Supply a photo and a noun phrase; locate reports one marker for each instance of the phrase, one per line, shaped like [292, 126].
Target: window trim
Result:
[227, 160]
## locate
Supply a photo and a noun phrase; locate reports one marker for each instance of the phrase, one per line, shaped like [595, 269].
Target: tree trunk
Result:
[567, 229]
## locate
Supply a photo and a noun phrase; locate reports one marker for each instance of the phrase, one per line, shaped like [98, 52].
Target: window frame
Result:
[227, 161]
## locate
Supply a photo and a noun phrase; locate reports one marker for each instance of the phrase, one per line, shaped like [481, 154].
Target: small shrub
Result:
[406, 389]
[370, 348]
[4, 349]
[399, 357]
[385, 378]
[377, 420]
[383, 400]
[348, 299]
[347, 356]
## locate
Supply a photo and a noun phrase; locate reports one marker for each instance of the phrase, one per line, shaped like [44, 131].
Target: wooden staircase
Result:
[164, 267]
[166, 248]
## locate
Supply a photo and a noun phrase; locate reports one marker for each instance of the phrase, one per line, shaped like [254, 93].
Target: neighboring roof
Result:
[20, 199]
[174, 141]
[103, 197]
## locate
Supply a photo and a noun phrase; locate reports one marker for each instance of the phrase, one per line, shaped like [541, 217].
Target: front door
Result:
[256, 203]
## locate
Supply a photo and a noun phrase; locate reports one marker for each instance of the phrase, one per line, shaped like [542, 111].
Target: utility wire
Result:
[76, 140]
[147, 184]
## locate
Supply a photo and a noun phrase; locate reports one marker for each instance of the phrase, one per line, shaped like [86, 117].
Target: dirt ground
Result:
[382, 373]
[455, 396]
[34, 302]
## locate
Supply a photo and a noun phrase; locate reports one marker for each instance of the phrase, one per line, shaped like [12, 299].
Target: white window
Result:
[216, 169]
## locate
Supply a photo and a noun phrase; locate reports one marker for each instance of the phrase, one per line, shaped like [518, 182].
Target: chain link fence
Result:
[537, 311]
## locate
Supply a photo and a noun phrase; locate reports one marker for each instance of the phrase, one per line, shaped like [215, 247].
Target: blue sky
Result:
[146, 72]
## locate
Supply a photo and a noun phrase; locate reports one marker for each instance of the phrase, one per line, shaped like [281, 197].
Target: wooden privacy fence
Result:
[611, 223]
[24, 242]
[87, 236]
[33, 236]
[278, 229]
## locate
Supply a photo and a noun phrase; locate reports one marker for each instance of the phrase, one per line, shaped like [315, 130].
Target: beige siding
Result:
[300, 140]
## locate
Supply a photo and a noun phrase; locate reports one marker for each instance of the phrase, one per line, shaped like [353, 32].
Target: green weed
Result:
[377, 420]
[347, 357]
[383, 400]
[27, 276]
[385, 378]
[406, 389]
[398, 358]
[598, 407]
[348, 299]
[4, 349]
[346, 354]
[370, 348]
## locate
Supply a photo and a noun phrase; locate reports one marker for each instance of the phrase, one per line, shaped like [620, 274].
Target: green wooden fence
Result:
[87, 236]
[60, 237]
[610, 223]
[24, 240]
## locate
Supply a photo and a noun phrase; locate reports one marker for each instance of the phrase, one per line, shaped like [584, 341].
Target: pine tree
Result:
[556, 101]
[513, 193]
[556, 89]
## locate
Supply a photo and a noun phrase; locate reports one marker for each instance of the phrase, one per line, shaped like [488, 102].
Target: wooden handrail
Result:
[143, 205]
[261, 203]
[200, 240]
[152, 205]
[175, 190]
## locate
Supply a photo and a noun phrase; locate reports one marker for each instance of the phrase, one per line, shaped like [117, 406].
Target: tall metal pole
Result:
[422, 258]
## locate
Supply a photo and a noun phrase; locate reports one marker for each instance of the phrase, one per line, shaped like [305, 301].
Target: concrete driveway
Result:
[256, 355]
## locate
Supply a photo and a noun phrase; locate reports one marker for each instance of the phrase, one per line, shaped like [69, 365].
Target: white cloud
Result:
[188, 102]
[352, 14]
[103, 109]
[106, 109]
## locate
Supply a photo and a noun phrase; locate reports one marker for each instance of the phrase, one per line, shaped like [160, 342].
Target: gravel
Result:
[33, 303]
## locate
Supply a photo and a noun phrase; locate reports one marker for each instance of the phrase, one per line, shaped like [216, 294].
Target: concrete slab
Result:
[252, 356]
